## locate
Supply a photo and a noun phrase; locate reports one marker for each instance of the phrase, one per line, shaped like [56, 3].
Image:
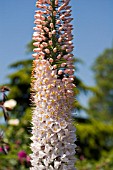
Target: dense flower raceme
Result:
[53, 134]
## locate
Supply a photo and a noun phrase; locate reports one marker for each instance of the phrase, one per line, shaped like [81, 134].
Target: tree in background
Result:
[101, 102]
[92, 136]
[17, 131]
[20, 86]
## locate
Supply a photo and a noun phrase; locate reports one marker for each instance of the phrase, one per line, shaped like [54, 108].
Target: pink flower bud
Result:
[37, 49]
[59, 56]
[42, 18]
[57, 21]
[37, 16]
[64, 79]
[47, 51]
[56, 2]
[42, 54]
[70, 80]
[49, 18]
[54, 13]
[55, 50]
[63, 47]
[36, 44]
[46, 29]
[63, 64]
[51, 25]
[50, 34]
[44, 44]
[44, 22]
[54, 66]
[66, 71]
[54, 32]
[35, 55]
[65, 57]
[69, 50]
[70, 59]
[60, 39]
[62, 17]
[51, 60]
[50, 42]
[60, 72]
[50, 8]
[60, 28]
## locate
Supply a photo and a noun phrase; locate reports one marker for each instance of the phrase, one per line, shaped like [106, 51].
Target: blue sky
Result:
[93, 32]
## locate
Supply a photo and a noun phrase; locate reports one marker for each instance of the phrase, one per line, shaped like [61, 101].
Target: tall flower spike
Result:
[53, 134]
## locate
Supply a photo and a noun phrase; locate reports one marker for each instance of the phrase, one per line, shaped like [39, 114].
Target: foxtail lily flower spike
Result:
[53, 135]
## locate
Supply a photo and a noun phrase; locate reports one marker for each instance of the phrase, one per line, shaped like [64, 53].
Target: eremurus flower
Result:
[53, 134]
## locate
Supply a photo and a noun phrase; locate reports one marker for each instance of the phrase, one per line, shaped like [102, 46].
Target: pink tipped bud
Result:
[63, 64]
[62, 17]
[64, 79]
[56, 2]
[64, 47]
[51, 60]
[70, 80]
[35, 55]
[49, 18]
[65, 57]
[57, 21]
[54, 13]
[51, 25]
[42, 18]
[66, 71]
[50, 42]
[55, 50]
[36, 44]
[60, 72]
[47, 51]
[37, 49]
[50, 8]
[59, 56]
[69, 50]
[54, 32]
[55, 66]
[46, 29]
[50, 34]
[70, 59]
[60, 39]
[60, 28]
[44, 44]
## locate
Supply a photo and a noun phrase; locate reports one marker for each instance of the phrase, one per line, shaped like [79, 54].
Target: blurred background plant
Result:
[94, 132]
[92, 33]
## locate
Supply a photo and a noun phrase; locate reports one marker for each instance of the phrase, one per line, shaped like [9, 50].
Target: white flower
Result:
[13, 122]
[10, 104]
[57, 164]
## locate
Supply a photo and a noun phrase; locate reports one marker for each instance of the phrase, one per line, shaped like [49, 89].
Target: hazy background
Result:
[93, 33]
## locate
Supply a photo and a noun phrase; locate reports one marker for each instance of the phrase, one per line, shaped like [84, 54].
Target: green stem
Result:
[54, 23]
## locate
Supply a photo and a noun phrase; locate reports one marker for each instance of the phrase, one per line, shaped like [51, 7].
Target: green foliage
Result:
[101, 103]
[95, 146]
[20, 86]
[18, 137]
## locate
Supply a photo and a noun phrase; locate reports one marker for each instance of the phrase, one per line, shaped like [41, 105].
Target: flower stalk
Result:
[53, 134]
